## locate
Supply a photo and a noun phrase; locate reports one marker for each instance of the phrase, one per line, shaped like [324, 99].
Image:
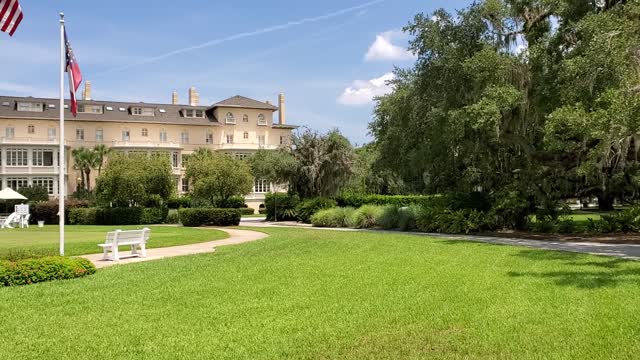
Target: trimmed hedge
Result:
[48, 211]
[31, 271]
[179, 202]
[453, 201]
[247, 211]
[118, 216]
[209, 217]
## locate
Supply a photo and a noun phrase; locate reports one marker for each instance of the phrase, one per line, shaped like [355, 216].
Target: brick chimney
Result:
[281, 109]
[86, 93]
[174, 98]
[194, 97]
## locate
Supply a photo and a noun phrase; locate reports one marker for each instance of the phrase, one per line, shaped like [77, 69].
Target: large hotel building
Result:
[29, 138]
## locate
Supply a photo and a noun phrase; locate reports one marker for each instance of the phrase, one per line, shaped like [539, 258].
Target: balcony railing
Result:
[145, 144]
[241, 146]
[28, 141]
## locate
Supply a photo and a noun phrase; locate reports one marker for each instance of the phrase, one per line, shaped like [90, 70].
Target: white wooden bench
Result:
[134, 238]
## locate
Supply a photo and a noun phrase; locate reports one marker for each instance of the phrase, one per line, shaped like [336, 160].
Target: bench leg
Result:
[143, 250]
[134, 250]
[105, 253]
[115, 256]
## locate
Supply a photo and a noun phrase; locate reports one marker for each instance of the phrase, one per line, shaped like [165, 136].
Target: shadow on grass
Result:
[582, 271]
[573, 269]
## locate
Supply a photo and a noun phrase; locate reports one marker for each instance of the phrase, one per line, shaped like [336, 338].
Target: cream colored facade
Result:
[29, 139]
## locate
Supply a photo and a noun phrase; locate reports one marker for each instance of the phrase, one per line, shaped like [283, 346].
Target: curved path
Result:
[235, 237]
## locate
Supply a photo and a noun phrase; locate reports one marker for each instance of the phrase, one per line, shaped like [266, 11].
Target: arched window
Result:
[262, 120]
[245, 118]
[230, 119]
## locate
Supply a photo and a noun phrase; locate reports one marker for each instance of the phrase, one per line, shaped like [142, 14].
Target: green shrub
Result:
[119, 216]
[172, 217]
[454, 201]
[390, 217]
[179, 202]
[48, 211]
[285, 205]
[31, 271]
[511, 210]
[336, 217]
[452, 221]
[407, 217]
[234, 202]
[34, 193]
[209, 217]
[262, 211]
[83, 216]
[543, 225]
[367, 216]
[306, 208]
[247, 211]
[566, 226]
[151, 216]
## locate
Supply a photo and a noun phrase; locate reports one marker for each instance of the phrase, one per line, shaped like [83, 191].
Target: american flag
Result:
[10, 16]
[75, 77]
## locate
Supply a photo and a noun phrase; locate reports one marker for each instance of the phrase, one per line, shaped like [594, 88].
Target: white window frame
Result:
[175, 159]
[99, 135]
[9, 132]
[245, 135]
[17, 157]
[184, 137]
[20, 182]
[30, 107]
[163, 136]
[261, 186]
[31, 129]
[245, 118]
[229, 118]
[145, 132]
[229, 138]
[45, 182]
[262, 120]
[79, 134]
[37, 157]
[126, 135]
[185, 185]
[51, 133]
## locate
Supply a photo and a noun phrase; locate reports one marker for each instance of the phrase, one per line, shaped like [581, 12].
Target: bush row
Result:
[31, 271]
[234, 202]
[48, 211]
[209, 217]
[117, 216]
[454, 201]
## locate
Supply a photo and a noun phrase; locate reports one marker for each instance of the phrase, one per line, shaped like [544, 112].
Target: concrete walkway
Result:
[235, 237]
[625, 251]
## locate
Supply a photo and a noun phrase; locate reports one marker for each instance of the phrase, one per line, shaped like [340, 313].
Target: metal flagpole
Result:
[61, 138]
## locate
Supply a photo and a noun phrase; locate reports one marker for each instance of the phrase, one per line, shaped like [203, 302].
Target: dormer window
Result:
[142, 111]
[262, 120]
[28, 106]
[90, 109]
[193, 113]
[229, 119]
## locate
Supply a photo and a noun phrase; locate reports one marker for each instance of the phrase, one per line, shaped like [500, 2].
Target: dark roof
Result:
[172, 113]
[244, 102]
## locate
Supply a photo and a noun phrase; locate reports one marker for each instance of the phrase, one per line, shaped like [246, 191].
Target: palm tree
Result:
[101, 151]
[79, 163]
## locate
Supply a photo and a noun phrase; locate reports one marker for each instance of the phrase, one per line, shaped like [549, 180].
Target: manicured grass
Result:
[81, 240]
[313, 294]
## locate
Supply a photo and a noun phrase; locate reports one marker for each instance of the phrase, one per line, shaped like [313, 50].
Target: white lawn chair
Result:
[8, 221]
[25, 221]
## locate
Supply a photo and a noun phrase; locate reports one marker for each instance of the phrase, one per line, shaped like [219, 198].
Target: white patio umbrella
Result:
[10, 194]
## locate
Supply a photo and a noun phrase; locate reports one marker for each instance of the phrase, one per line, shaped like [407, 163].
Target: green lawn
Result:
[313, 294]
[85, 239]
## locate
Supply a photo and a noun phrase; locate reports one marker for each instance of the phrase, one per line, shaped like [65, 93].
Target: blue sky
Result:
[329, 57]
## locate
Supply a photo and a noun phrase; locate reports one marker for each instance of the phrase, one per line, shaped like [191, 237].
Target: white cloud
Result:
[384, 49]
[362, 92]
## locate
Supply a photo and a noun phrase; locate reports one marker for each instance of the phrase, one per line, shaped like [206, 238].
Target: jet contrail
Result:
[245, 35]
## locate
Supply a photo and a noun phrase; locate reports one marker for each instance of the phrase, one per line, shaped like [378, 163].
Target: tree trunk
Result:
[605, 201]
[88, 172]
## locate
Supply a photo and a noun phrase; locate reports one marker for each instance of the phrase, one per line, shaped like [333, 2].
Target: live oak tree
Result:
[540, 96]
[216, 177]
